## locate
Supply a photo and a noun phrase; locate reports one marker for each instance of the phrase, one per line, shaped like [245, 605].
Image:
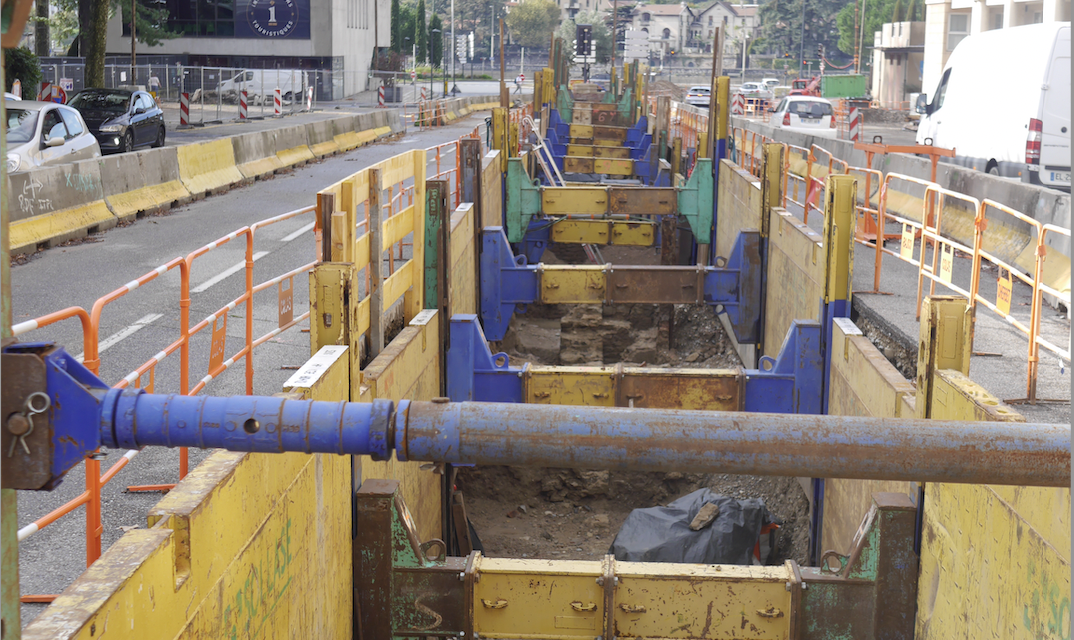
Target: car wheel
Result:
[160, 138]
[128, 142]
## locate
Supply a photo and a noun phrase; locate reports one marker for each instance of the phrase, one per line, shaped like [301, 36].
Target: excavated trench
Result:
[575, 514]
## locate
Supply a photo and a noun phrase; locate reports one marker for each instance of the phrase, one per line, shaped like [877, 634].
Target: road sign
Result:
[413, 75]
[67, 84]
[522, 77]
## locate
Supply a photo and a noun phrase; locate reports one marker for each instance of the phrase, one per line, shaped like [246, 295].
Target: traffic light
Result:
[820, 51]
[583, 34]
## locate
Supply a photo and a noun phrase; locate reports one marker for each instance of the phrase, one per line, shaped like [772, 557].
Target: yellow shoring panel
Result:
[636, 234]
[582, 231]
[657, 600]
[580, 386]
[580, 285]
[570, 200]
[531, 599]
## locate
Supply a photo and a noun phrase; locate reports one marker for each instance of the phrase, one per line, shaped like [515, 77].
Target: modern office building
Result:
[329, 35]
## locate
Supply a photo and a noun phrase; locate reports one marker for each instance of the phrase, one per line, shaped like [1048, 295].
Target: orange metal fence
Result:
[144, 375]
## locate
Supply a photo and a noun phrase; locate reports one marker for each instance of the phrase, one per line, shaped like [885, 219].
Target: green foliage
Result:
[782, 26]
[152, 25]
[396, 35]
[602, 35]
[876, 12]
[21, 63]
[422, 38]
[532, 22]
[436, 41]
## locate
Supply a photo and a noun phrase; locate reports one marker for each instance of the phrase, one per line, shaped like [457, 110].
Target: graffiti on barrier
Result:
[264, 585]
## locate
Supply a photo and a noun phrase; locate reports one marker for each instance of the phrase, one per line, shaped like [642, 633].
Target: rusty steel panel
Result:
[578, 165]
[694, 389]
[573, 200]
[585, 386]
[642, 201]
[656, 284]
[637, 234]
[618, 134]
[429, 599]
[29, 464]
[582, 231]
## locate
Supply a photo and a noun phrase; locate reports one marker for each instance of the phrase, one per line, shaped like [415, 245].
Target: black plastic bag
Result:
[662, 534]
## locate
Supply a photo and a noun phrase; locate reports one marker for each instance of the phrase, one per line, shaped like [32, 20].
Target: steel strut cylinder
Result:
[601, 438]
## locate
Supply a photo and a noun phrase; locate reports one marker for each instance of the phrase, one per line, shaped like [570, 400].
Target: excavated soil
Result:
[575, 514]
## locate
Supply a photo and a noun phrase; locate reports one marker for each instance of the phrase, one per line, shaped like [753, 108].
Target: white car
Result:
[756, 90]
[698, 96]
[45, 133]
[805, 114]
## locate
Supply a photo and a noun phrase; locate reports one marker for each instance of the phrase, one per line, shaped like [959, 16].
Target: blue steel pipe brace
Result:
[582, 437]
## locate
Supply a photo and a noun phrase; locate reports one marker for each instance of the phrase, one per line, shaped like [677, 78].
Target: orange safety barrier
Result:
[867, 217]
[943, 246]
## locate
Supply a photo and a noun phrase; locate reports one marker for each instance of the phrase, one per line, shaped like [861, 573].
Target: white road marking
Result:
[115, 338]
[298, 233]
[220, 277]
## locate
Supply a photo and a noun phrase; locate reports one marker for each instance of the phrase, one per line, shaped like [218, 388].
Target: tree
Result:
[22, 64]
[436, 41]
[423, 43]
[875, 14]
[782, 25]
[532, 21]
[396, 36]
[152, 26]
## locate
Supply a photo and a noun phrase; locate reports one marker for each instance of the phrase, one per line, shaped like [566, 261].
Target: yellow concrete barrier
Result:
[54, 204]
[139, 182]
[207, 166]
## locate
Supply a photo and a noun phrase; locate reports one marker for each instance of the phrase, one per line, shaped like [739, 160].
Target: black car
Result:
[121, 119]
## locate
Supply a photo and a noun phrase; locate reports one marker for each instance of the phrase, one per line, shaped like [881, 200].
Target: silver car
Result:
[45, 133]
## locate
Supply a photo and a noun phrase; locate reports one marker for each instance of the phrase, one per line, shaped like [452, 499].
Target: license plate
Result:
[810, 120]
[1060, 177]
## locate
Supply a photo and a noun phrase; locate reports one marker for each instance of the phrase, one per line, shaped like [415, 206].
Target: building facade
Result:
[679, 29]
[947, 22]
[336, 36]
[898, 60]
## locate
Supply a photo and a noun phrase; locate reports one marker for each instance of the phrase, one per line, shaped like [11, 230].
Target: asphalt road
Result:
[146, 321]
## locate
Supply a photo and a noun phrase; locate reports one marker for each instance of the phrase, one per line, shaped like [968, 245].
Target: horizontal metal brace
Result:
[508, 281]
[571, 436]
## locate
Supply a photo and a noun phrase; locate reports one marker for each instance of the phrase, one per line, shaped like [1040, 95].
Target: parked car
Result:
[755, 90]
[11, 96]
[698, 96]
[770, 83]
[121, 119]
[805, 114]
[45, 133]
[1022, 131]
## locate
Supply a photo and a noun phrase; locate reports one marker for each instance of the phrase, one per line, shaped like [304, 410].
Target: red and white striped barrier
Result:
[184, 110]
[309, 99]
[243, 114]
[855, 124]
[277, 100]
[423, 95]
[738, 104]
[45, 93]
[52, 93]
[380, 97]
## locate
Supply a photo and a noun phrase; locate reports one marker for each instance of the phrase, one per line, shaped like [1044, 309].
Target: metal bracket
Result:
[508, 281]
[55, 435]
[793, 381]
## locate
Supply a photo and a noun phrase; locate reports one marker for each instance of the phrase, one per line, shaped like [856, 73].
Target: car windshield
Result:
[21, 125]
[699, 89]
[101, 101]
[809, 109]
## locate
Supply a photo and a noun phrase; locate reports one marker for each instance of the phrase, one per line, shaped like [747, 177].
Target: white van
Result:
[1003, 104]
[263, 82]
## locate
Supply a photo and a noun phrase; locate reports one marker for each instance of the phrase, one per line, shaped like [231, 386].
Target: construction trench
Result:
[705, 341]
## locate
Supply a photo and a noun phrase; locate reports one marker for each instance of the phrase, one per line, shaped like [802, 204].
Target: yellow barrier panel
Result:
[247, 545]
[462, 269]
[148, 198]
[59, 224]
[208, 166]
[795, 277]
[295, 155]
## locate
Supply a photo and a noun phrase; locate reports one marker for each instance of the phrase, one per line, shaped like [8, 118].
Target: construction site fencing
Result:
[917, 206]
[401, 199]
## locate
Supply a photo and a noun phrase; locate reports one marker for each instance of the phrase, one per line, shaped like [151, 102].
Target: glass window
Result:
[52, 126]
[941, 91]
[21, 124]
[70, 118]
[958, 27]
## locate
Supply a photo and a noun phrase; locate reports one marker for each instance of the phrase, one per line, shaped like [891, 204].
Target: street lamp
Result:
[745, 38]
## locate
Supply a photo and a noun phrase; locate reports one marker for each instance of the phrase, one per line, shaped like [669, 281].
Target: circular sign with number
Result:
[273, 18]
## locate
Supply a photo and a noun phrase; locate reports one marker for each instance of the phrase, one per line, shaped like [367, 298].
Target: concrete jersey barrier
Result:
[54, 204]
[255, 154]
[321, 137]
[142, 182]
[292, 146]
[205, 167]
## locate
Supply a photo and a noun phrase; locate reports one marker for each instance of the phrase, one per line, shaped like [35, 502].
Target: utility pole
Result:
[801, 44]
[615, 29]
[454, 47]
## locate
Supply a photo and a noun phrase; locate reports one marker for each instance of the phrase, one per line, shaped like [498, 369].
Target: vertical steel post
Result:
[10, 624]
[374, 212]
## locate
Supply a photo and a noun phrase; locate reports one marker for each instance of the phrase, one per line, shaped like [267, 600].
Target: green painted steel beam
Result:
[695, 200]
[523, 200]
